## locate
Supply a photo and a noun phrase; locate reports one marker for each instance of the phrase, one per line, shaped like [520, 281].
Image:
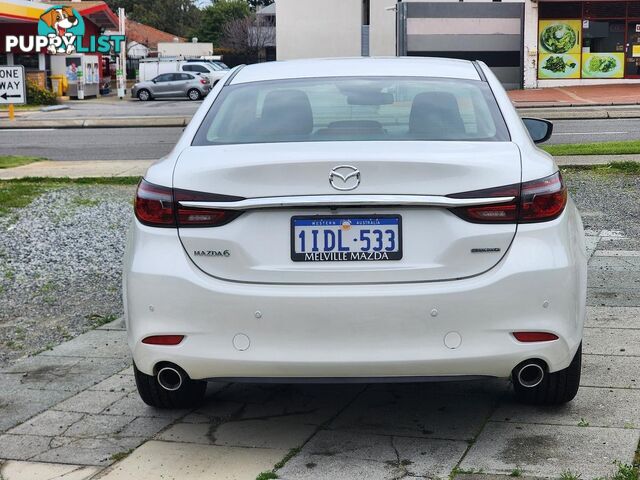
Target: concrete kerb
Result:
[108, 122]
[576, 114]
[78, 169]
[556, 114]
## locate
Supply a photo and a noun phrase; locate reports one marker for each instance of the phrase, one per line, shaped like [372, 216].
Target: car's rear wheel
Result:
[555, 388]
[144, 95]
[188, 393]
[194, 94]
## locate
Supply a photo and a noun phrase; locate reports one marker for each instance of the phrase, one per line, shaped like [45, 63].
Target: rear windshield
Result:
[353, 109]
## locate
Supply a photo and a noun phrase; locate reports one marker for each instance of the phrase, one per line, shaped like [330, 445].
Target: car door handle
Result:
[347, 200]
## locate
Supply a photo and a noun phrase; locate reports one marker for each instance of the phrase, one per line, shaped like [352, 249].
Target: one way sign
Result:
[12, 85]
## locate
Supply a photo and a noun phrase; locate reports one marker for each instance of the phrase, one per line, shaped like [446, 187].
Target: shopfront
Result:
[20, 18]
[588, 40]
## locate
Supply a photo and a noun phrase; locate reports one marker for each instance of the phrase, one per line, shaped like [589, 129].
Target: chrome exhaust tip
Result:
[530, 375]
[170, 378]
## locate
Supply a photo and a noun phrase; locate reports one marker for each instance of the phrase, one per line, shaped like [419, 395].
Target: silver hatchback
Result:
[167, 85]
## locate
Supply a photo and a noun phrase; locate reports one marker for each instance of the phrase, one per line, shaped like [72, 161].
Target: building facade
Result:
[542, 43]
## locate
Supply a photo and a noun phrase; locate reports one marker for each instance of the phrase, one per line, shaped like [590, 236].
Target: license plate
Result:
[346, 239]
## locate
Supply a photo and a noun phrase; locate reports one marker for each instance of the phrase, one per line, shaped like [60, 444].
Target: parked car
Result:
[189, 85]
[356, 220]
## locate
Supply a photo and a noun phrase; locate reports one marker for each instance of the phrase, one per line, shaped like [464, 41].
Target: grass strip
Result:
[624, 168]
[600, 148]
[76, 181]
[5, 108]
[10, 161]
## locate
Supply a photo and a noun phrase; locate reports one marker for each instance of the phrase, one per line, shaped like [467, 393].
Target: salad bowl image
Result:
[561, 65]
[558, 38]
[602, 65]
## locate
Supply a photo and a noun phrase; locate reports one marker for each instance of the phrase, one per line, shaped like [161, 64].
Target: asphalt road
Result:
[90, 143]
[151, 143]
[601, 130]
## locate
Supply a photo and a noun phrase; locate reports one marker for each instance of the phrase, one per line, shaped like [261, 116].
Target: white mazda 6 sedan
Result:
[356, 220]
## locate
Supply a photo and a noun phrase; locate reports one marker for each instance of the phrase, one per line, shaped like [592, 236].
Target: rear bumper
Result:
[356, 331]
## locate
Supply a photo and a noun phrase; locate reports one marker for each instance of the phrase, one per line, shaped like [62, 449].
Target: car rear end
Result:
[205, 84]
[353, 228]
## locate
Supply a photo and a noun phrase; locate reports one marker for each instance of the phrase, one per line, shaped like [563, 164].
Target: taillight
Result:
[203, 217]
[203, 81]
[159, 206]
[535, 201]
[542, 200]
[494, 213]
[195, 217]
[154, 205]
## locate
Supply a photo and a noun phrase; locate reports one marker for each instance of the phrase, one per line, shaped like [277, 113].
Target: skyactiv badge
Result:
[61, 30]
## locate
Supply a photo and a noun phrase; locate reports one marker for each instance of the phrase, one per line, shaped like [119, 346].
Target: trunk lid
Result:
[436, 244]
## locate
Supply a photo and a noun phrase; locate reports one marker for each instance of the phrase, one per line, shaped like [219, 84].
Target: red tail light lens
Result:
[529, 337]
[154, 205]
[203, 81]
[163, 339]
[535, 201]
[496, 213]
[159, 206]
[194, 217]
[203, 217]
[542, 200]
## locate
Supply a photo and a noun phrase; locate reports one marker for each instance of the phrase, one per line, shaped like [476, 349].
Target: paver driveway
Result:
[76, 406]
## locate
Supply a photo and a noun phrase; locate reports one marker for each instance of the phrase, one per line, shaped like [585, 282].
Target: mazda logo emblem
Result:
[344, 177]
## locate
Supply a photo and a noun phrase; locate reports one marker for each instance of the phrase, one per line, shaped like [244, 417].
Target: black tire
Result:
[190, 394]
[194, 94]
[144, 95]
[556, 388]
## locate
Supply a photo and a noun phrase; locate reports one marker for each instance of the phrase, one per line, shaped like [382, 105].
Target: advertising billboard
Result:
[559, 48]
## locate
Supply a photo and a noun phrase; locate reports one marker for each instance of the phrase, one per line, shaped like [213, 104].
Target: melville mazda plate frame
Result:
[322, 257]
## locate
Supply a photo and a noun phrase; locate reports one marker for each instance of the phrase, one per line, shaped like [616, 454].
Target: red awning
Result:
[98, 12]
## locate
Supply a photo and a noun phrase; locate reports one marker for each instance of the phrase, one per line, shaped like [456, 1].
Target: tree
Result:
[248, 37]
[179, 17]
[215, 16]
[255, 4]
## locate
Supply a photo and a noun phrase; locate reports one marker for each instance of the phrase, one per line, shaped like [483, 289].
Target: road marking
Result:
[589, 133]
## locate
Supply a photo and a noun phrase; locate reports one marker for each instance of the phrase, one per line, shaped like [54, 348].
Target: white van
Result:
[151, 68]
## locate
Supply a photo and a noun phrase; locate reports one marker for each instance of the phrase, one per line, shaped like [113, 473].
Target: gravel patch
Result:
[61, 257]
[60, 266]
[606, 201]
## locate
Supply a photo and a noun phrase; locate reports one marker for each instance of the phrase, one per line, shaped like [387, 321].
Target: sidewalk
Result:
[134, 168]
[586, 95]
[78, 169]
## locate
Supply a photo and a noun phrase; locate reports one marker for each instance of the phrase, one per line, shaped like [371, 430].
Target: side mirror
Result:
[540, 130]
